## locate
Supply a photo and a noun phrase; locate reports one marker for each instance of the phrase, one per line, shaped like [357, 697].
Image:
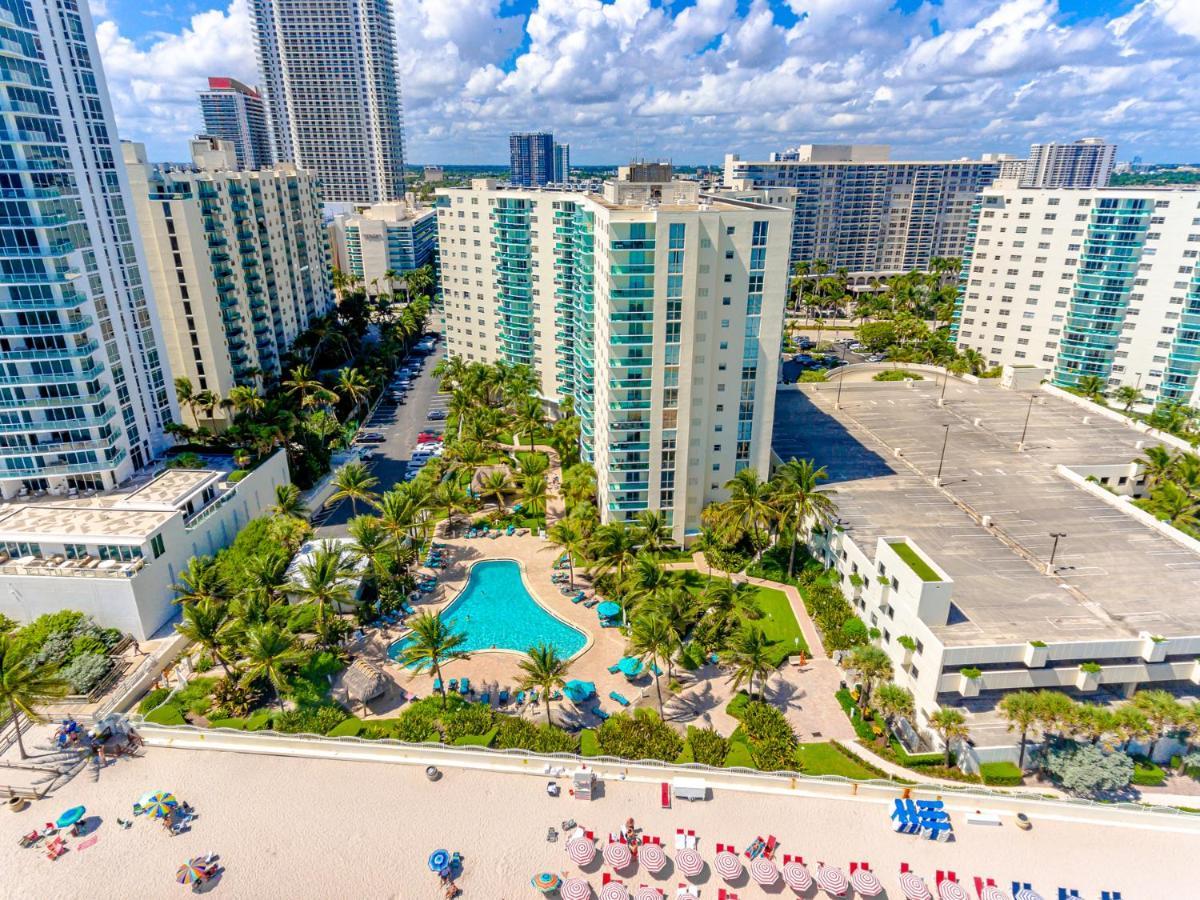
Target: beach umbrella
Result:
[914, 886]
[70, 817]
[991, 892]
[652, 858]
[764, 872]
[796, 877]
[629, 666]
[546, 882]
[645, 892]
[575, 889]
[614, 890]
[581, 850]
[159, 804]
[952, 890]
[1027, 894]
[608, 609]
[617, 855]
[832, 880]
[865, 882]
[189, 873]
[689, 862]
[577, 691]
[438, 860]
[727, 865]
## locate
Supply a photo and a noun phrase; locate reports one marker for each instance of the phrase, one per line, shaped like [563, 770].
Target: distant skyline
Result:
[693, 79]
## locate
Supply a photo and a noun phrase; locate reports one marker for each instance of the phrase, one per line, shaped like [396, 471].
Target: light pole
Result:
[1025, 427]
[937, 482]
[1053, 550]
[841, 378]
[945, 381]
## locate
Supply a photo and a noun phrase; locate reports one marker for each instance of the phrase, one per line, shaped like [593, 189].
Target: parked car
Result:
[429, 437]
[368, 455]
[437, 414]
[372, 437]
[805, 343]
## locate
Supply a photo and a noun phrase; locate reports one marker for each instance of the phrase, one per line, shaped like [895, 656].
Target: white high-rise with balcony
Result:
[84, 392]
[1086, 163]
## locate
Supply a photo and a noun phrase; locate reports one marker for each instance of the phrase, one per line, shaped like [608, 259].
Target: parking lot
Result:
[399, 424]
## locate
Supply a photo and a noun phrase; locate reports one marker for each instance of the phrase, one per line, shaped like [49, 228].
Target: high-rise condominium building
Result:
[856, 209]
[1085, 163]
[333, 97]
[381, 242]
[86, 392]
[531, 158]
[236, 113]
[238, 261]
[656, 309]
[1100, 282]
[562, 163]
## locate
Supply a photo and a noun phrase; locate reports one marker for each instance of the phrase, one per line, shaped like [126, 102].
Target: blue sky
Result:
[694, 79]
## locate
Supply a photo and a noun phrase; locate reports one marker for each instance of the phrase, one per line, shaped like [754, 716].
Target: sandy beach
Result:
[323, 829]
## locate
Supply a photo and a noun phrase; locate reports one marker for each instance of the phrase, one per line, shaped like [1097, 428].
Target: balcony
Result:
[34, 379]
[76, 326]
[636, 340]
[101, 444]
[55, 402]
[59, 425]
[53, 353]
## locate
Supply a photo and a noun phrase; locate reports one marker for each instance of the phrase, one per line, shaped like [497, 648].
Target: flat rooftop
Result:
[1117, 577]
[172, 487]
[73, 521]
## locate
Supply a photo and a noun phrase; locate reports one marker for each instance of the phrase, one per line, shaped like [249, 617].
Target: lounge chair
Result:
[533, 697]
[454, 684]
[1110, 895]
[30, 839]
[486, 698]
[578, 598]
[591, 604]
[773, 843]
[56, 848]
[601, 714]
[613, 695]
[503, 697]
[510, 529]
[464, 686]
[520, 698]
[1067, 893]
[437, 686]
[614, 669]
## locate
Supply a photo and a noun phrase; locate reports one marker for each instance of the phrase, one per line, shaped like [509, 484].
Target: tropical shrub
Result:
[589, 743]
[1087, 769]
[84, 672]
[727, 559]
[473, 718]
[1147, 774]
[642, 735]
[512, 732]
[153, 699]
[771, 739]
[231, 699]
[310, 719]
[1000, 774]
[708, 747]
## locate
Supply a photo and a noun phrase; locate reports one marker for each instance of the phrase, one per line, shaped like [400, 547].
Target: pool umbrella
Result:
[991, 892]
[614, 890]
[652, 858]
[189, 873]
[645, 892]
[689, 862]
[832, 880]
[952, 890]
[70, 817]
[914, 886]
[865, 882]
[438, 860]
[617, 855]
[159, 804]
[608, 609]
[764, 872]
[796, 877]
[1027, 894]
[727, 865]
[581, 850]
[546, 882]
[578, 691]
[629, 666]
[575, 889]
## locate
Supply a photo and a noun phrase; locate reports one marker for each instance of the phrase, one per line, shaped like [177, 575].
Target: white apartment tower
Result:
[235, 112]
[1100, 282]
[238, 261]
[85, 390]
[1086, 163]
[657, 309]
[333, 97]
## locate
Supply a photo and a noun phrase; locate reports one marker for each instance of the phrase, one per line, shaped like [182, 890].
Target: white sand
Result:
[305, 828]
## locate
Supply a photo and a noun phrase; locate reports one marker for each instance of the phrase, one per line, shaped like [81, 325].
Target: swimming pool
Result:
[496, 612]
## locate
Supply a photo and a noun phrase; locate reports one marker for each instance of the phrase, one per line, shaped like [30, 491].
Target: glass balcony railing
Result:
[54, 402]
[89, 421]
[51, 353]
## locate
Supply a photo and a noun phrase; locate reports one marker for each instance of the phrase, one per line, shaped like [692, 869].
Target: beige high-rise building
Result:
[238, 261]
[656, 308]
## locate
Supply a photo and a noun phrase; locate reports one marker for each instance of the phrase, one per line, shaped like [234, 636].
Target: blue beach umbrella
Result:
[578, 691]
[438, 860]
[70, 817]
[608, 609]
[629, 666]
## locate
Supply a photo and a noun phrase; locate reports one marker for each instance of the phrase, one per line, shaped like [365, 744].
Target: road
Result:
[401, 425]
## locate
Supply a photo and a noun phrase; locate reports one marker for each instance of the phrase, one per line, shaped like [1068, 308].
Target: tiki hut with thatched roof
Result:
[363, 682]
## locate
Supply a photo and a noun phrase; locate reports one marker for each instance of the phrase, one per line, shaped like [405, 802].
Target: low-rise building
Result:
[116, 556]
[378, 244]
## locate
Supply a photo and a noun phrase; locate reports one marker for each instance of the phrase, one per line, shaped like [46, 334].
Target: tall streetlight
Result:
[1053, 550]
[937, 481]
[841, 378]
[945, 381]
[1025, 427]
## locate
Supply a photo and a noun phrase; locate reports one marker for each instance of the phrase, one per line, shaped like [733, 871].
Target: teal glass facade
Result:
[512, 244]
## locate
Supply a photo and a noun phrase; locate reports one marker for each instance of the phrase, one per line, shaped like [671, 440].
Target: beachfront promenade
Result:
[320, 828]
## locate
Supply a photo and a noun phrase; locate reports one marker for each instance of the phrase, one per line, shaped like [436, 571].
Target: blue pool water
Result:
[496, 612]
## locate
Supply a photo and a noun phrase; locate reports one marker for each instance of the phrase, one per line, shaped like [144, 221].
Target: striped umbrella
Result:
[159, 805]
[1027, 894]
[652, 857]
[914, 886]
[832, 880]
[575, 889]
[645, 892]
[991, 892]
[614, 890]
[952, 890]
[689, 862]
[546, 882]
[617, 855]
[189, 874]
[727, 865]
[581, 850]
[764, 872]
[797, 877]
[865, 882]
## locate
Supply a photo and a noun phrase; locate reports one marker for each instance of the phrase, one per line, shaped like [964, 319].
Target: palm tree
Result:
[797, 500]
[325, 579]
[892, 701]
[372, 543]
[653, 533]
[289, 502]
[211, 626]
[185, 393]
[431, 644]
[750, 654]
[566, 534]
[529, 417]
[748, 509]
[653, 638]
[614, 549]
[1127, 395]
[1022, 710]
[545, 671]
[1161, 709]
[353, 385]
[1157, 463]
[1092, 387]
[307, 388]
[269, 652]
[354, 482]
[951, 725]
[873, 664]
[533, 495]
[450, 496]
[495, 484]
[25, 685]
[200, 582]
[578, 484]
[1175, 504]
[729, 603]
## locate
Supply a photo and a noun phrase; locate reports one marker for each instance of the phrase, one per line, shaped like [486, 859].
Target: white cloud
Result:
[633, 76]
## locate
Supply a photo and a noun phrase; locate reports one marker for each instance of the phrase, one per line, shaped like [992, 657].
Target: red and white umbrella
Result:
[689, 862]
[645, 892]
[1028, 894]
[575, 889]
[865, 882]
[614, 890]
[652, 858]
[727, 865]
[796, 877]
[617, 855]
[581, 850]
[764, 872]
[914, 886]
[832, 881]
[991, 892]
[952, 890]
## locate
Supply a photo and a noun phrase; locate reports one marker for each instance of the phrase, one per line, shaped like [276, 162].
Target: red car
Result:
[428, 437]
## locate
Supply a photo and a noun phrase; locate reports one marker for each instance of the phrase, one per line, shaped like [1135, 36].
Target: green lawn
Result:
[779, 623]
[918, 565]
[826, 759]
